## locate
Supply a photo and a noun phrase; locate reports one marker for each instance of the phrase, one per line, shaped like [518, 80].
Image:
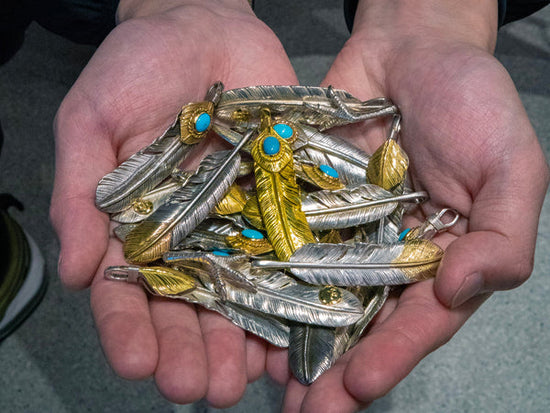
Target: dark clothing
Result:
[82, 21]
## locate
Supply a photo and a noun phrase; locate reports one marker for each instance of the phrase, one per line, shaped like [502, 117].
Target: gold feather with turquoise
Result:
[147, 168]
[362, 264]
[185, 209]
[278, 194]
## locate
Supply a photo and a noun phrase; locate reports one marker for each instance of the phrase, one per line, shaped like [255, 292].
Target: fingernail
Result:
[470, 287]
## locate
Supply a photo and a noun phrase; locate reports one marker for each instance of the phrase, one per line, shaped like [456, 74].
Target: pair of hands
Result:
[468, 138]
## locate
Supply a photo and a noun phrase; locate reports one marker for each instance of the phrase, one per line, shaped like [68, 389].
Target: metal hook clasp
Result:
[436, 220]
[122, 273]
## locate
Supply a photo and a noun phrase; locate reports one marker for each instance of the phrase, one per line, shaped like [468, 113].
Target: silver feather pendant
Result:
[275, 293]
[349, 162]
[185, 209]
[169, 283]
[147, 168]
[313, 350]
[362, 264]
[239, 109]
[350, 207]
[142, 207]
[209, 235]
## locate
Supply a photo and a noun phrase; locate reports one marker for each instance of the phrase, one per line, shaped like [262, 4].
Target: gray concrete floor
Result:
[498, 362]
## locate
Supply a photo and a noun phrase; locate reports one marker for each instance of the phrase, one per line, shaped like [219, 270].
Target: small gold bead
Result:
[330, 295]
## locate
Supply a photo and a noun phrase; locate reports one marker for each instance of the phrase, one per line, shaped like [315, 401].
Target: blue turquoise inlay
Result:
[403, 234]
[220, 253]
[329, 171]
[203, 122]
[283, 130]
[252, 234]
[271, 145]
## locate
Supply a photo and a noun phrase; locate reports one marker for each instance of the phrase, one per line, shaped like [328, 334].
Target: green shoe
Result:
[22, 280]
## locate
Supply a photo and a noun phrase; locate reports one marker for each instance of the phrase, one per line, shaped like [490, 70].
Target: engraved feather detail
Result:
[141, 172]
[388, 165]
[322, 149]
[279, 196]
[185, 210]
[348, 207]
[362, 264]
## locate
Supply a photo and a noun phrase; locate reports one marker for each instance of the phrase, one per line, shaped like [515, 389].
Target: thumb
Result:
[497, 252]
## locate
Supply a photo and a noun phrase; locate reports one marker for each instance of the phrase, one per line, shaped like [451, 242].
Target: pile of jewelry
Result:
[305, 256]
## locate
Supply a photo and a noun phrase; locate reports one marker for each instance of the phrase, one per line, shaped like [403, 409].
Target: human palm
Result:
[127, 95]
[472, 148]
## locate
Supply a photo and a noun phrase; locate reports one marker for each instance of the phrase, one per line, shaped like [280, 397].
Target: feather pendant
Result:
[349, 162]
[314, 349]
[240, 108]
[123, 230]
[279, 195]
[275, 293]
[272, 329]
[233, 201]
[186, 208]
[142, 207]
[389, 163]
[362, 264]
[209, 235]
[348, 207]
[171, 283]
[321, 176]
[157, 280]
[147, 168]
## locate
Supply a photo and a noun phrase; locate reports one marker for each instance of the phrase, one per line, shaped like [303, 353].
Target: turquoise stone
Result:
[220, 253]
[252, 234]
[271, 145]
[329, 171]
[203, 122]
[403, 234]
[283, 130]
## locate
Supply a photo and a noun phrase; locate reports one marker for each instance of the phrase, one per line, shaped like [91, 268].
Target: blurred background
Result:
[499, 361]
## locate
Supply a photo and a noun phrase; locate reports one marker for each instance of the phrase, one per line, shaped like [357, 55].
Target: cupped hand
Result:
[162, 56]
[472, 148]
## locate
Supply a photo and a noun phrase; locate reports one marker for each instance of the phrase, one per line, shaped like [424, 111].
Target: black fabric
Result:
[82, 21]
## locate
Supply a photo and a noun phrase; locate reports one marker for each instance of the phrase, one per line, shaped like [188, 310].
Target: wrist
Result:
[468, 21]
[129, 9]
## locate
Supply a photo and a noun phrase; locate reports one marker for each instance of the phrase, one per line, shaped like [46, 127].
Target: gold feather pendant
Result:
[389, 163]
[278, 193]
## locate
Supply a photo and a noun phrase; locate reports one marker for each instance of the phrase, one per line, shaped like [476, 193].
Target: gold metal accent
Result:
[279, 195]
[388, 165]
[167, 281]
[142, 206]
[240, 116]
[249, 245]
[425, 254]
[313, 175]
[138, 248]
[233, 201]
[330, 295]
[331, 237]
[251, 212]
[188, 118]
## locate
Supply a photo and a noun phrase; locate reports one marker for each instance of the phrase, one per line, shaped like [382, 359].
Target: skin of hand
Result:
[472, 147]
[162, 55]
